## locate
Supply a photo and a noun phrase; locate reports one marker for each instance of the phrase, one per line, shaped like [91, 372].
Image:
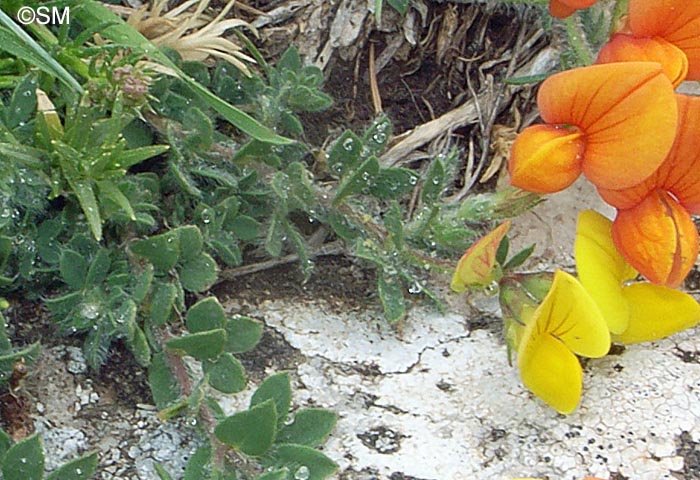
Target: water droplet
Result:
[23, 460]
[491, 288]
[348, 144]
[288, 421]
[415, 289]
[90, 311]
[302, 473]
[78, 471]
[379, 137]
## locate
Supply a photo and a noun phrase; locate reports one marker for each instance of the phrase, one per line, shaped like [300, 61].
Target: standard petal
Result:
[658, 238]
[657, 312]
[570, 314]
[677, 21]
[626, 48]
[546, 158]
[550, 371]
[627, 112]
[601, 268]
[476, 267]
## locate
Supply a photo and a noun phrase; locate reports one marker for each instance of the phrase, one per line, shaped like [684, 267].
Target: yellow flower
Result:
[637, 312]
[567, 323]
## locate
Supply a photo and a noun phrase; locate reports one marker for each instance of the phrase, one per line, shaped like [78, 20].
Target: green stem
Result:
[577, 40]
[619, 11]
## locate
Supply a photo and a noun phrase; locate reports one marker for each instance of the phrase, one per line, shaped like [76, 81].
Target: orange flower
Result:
[676, 21]
[679, 174]
[658, 238]
[614, 122]
[564, 8]
[625, 48]
[653, 229]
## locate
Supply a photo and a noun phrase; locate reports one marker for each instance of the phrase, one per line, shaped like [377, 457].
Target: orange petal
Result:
[627, 112]
[680, 173]
[629, 197]
[626, 48]
[658, 238]
[677, 21]
[476, 267]
[564, 8]
[546, 158]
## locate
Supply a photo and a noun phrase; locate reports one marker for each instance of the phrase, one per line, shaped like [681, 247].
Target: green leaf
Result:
[281, 474]
[99, 268]
[24, 460]
[400, 6]
[164, 386]
[74, 269]
[358, 180]
[226, 373]
[198, 274]
[5, 250]
[314, 464]
[191, 242]
[162, 303]
[290, 60]
[519, 258]
[243, 334]
[5, 440]
[162, 250]
[110, 191]
[86, 196]
[275, 387]
[206, 314]
[310, 427]
[394, 224]
[198, 466]
[391, 295]
[343, 227]
[345, 154]
[275, 235]
[393, 182]
[502, 251]
[82, 468]
[17, 42]
[251, 431]
[434, 183]
[197, 129]
[22, 103]
[142, 285]
[138, 344]
[200, 345]
[244, 227]
[377, 135]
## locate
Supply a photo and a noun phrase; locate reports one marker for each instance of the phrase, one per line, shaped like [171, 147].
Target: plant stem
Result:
[577, 40]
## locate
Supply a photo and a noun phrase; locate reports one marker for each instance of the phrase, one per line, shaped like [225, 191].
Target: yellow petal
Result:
[570, 314]
[657, 312]
[602, 269]
[550, 371]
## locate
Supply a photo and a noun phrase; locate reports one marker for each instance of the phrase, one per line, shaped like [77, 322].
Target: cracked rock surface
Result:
[441, 401]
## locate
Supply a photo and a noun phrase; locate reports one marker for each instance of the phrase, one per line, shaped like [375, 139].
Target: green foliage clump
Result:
[124, 195]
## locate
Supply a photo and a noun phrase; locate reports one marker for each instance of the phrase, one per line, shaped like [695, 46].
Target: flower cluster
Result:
[622, 125]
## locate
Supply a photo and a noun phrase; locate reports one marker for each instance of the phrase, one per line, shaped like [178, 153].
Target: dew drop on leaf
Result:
[302, 473]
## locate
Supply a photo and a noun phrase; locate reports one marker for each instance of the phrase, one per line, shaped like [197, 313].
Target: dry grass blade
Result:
[193, 34]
